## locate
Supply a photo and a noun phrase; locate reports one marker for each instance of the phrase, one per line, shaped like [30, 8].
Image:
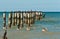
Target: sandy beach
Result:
[13, 33]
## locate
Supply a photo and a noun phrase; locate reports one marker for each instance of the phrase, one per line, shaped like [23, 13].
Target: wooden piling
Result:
[18, 21]
[13, 19]
[4, 22]
[10, 20]
[5, 35]
[21, 20]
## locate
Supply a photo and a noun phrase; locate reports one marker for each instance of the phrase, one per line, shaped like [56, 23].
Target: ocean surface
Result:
[51, 22]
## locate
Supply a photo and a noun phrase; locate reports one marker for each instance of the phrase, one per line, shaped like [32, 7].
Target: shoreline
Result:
[14, 34]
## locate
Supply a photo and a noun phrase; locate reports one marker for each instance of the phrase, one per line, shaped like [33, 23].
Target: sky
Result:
[24, 5]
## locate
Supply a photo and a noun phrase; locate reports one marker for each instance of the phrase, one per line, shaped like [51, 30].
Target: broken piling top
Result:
[10, 15]
[18, 15]
[24, 14]
[4, 20]
[38, 12]
[15, 15]
[21, 15]
[4, 15]
[28, 15]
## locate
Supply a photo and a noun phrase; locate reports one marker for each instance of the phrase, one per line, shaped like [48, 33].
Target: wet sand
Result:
[13, 33]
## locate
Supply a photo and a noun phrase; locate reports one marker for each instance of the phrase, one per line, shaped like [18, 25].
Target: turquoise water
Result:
[51, 22]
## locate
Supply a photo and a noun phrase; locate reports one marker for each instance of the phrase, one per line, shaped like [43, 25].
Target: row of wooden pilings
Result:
[21, 18]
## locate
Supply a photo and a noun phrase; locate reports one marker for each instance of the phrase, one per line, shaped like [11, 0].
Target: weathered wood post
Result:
[4, 36]
[4, 22]
[18, 21]
[21, 19]
[13, 19]
[40, 13]
[10, 20]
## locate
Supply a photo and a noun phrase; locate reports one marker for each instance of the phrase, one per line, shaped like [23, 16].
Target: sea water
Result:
[51, 22]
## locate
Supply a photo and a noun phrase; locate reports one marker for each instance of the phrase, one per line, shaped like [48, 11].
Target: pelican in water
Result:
[44, 30]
